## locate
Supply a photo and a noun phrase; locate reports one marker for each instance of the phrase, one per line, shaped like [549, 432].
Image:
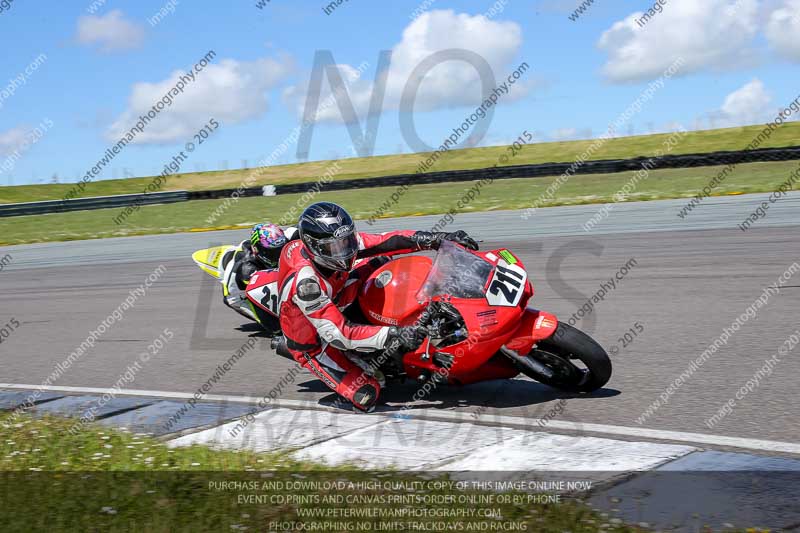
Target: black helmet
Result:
[329, 235]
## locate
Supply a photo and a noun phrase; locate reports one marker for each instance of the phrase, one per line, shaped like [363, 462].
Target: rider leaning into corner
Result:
[260, 252]
[317, 280]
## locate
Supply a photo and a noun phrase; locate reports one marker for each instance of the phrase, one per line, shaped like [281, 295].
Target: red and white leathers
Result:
[311, 304]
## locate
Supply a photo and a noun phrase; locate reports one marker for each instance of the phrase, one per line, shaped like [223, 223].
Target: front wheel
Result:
[569, 360]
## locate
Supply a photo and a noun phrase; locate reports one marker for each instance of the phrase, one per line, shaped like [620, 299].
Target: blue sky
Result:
[96, 70]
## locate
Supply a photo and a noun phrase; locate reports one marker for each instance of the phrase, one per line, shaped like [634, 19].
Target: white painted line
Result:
[278, 428]
[527, 423]
[647, 433]
[164, 394]
[405, 444]
[714, 461]
[532, 451]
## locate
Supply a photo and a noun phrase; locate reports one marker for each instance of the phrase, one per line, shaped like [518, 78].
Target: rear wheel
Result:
[569, 360]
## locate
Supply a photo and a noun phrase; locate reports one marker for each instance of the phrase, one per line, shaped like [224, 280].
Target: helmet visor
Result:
[337, 253]
[268, 255]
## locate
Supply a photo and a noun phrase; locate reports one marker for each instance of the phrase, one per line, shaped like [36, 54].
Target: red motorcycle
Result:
[474, 306]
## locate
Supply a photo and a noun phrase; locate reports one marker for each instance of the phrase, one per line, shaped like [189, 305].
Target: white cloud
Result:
[708, 34]
[229, 91]
[449, 84]
[783, 29]
[561, 7]
[570, 134]
[15, 142]
[673, 126]
[564, 134]
[749, 104]
[12, 139]
[112, 32]
[359, 90]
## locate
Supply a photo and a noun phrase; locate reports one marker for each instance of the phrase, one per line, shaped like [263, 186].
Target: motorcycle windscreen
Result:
[456, 273]
[210, 259]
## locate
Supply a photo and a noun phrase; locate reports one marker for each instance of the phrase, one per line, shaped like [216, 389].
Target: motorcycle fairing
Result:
[210, 259]
[506, 285]
[262, 291]
[388, 295]
[535, 326]
[484, 340]
[491, 319]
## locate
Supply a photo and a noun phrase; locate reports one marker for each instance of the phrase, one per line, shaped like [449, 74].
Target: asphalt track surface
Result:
[693, 277]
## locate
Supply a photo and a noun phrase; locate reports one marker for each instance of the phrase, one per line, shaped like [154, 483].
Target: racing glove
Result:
[432, 240]
[400, 341]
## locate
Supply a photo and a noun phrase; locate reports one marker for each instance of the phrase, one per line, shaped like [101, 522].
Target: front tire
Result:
[555, 355]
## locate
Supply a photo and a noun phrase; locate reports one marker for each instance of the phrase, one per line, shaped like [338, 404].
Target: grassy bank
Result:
[419, 199]
[109, 480]
[622, 147]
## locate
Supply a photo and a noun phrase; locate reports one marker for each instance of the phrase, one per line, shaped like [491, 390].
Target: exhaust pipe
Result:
[279, 345]
[527, 362]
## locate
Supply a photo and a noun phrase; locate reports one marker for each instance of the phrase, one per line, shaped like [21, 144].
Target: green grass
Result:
[103, 479]
[622, 147]
[420, 199]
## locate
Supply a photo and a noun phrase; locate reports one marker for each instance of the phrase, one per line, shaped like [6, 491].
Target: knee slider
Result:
[365, 397]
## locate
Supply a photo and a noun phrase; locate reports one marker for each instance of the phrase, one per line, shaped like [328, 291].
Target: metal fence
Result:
[539, 170]
[97, 202]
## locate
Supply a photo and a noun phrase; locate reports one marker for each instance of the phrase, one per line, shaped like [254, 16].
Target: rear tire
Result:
[557, 353]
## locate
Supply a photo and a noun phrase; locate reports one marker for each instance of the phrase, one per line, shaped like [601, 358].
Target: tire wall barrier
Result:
[98, 202]
[606, 166]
